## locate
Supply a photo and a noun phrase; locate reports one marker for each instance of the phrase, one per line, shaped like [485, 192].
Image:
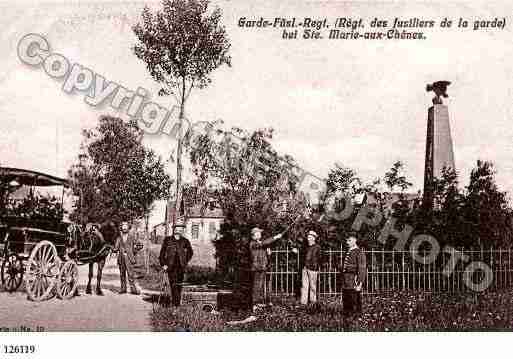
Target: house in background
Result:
[159, 230]
[202, 226]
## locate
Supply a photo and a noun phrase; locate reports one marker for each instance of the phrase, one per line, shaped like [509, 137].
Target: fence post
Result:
[438, 273]
[280, 270]
[407, 274]
[492, 264]
[368, 276]
[430, 270]
[482, 254]
[393, 270]
[341, 266]
[330, 251]
[455, 272]
[424, 271]
[500, 267]
[402, 269]
[294, 276]
[382, 271]
[287, 271]
[275, 274]
[509, 266]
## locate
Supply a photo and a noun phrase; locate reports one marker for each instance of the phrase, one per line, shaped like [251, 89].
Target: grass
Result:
[492, 311]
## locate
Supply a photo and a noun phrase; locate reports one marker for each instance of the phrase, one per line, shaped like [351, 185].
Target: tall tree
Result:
[395, 178]
[116, 177]
[343, 179]
[446, 222]
[250, 179]
[486, 207]
[181, 45]
[251, 183]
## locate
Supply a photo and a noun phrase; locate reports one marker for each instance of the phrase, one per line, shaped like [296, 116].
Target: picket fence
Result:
[390, 270]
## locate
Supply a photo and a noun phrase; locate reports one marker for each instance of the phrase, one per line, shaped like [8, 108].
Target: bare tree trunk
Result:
[178, 164]
[178, 197]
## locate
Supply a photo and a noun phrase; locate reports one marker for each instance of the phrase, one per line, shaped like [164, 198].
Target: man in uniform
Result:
[126, 258]
[353, 275]
[258, 252]
[175, 254]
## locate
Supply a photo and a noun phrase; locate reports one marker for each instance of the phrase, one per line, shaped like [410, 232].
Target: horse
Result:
[93, 246]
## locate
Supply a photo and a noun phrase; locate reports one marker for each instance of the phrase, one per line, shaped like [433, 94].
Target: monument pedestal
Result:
[439, 149]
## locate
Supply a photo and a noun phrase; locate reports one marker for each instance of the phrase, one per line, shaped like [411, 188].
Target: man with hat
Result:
[126, 258]
[175, 254]
[353, 275]
[258, 253]
[310, 269]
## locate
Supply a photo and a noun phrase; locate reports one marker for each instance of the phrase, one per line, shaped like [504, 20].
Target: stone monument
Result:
[439, 148]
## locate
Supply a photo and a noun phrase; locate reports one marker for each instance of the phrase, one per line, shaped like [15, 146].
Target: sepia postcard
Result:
[255, 166]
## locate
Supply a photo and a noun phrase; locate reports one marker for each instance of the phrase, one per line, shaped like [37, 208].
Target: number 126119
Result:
[18, 349]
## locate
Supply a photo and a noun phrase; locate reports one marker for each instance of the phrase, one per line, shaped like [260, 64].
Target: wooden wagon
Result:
[36, 241]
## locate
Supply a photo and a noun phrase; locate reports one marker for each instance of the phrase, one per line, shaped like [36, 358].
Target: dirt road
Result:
[111, 312]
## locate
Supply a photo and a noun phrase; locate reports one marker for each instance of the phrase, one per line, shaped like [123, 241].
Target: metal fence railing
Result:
[389, 270]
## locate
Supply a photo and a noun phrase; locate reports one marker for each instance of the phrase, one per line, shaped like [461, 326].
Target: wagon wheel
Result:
[42, 270]
[67, 281]
[12, 272]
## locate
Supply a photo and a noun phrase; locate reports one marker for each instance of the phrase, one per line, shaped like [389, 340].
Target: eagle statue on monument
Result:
[440, 90]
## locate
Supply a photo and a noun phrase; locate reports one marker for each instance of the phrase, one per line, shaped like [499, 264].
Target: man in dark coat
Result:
[175, 254]
[354, 274]
[125, 244]
[259, 261]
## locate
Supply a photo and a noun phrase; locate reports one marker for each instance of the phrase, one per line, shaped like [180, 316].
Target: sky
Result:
[359, 103]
